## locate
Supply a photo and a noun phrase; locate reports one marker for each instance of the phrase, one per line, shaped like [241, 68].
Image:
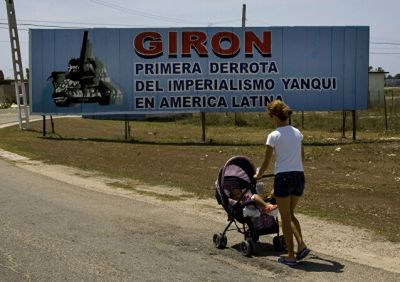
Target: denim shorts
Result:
[289, 183]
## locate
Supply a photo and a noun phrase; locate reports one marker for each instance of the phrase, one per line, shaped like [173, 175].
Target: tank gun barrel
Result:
[84, 50]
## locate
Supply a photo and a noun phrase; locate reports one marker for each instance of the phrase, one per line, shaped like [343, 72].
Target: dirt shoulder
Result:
[324, 237]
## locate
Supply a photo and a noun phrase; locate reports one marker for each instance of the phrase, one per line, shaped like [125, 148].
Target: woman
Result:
[286, 142]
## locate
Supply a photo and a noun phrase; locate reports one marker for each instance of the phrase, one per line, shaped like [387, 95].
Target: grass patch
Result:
[354, 183]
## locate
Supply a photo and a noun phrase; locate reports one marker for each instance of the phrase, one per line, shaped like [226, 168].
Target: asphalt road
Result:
[53, 231]
[8, 116]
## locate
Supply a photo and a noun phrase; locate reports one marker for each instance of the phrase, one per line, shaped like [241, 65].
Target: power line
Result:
[23, 29]
[26, 21]
[136, 12]
[52, 26]
[46, 26]
[226, 21]
[154, 16]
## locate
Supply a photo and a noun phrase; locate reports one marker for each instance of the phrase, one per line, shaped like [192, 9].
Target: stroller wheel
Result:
[255, 238]
[279, 243]
[220, 241]
[246, 247]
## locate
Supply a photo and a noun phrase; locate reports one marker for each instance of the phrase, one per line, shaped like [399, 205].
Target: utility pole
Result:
[20, 91]
[243, 25]
[244, 15]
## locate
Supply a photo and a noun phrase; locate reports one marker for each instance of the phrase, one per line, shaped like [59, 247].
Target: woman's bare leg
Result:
[285, 211]
[296, 224]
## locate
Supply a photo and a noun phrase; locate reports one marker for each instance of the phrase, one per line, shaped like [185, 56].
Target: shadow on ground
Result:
[313, 263]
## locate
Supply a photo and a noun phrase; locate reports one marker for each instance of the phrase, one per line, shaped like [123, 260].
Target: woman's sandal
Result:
[287, 262]
[303, 253]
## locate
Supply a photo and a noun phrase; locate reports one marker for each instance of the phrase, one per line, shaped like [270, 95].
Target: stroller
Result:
[238, 172]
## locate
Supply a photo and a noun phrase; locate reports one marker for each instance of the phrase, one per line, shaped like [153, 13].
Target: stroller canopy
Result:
[239, 169]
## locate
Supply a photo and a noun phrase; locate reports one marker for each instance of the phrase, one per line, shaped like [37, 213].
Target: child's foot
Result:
[270, 208]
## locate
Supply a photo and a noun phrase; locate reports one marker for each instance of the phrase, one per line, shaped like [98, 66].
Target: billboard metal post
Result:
[203, 127]
[354, 124]
[126, 130]
[44, 125]
[52, 124]
[344, 124]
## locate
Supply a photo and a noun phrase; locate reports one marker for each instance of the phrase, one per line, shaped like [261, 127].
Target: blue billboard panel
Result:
[215, 69]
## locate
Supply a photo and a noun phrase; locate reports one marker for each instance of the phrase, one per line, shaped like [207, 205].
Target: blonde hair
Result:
[279, 109]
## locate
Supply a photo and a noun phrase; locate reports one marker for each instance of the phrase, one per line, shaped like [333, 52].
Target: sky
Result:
[381, 16]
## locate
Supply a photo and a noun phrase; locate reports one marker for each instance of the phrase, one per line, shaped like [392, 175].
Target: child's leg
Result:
[259, 201]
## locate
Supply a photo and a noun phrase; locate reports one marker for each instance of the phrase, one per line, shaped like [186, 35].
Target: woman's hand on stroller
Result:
[258, 175]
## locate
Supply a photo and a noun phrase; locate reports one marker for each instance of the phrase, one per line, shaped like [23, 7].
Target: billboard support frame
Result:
[203, 127]
[354, 124]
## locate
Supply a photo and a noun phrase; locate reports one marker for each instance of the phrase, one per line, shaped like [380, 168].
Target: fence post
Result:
[384, 104]
[392, 107]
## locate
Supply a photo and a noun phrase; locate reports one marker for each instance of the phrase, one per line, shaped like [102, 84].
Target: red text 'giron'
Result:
[224, 44]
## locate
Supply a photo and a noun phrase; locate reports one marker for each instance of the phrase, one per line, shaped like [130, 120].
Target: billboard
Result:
[213, 69]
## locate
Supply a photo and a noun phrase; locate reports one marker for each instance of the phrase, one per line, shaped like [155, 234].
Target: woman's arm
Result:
[266, 161]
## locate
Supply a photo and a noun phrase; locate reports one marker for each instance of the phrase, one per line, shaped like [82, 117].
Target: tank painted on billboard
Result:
[85, 81]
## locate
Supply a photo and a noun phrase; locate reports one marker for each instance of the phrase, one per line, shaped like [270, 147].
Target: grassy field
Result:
[356, 183]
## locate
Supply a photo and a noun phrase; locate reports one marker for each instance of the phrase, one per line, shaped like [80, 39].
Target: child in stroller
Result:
[236, 192]
[261, 206]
